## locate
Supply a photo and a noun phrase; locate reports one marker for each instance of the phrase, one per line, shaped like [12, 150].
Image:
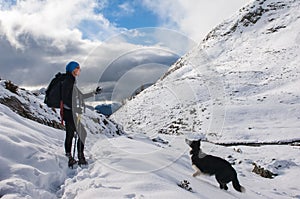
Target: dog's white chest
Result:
[201, 154]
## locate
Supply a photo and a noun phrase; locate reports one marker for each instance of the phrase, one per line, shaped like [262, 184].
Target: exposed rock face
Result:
[23, 110]
[28, 105]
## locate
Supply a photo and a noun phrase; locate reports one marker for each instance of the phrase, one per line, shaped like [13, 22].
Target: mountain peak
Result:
[263, 11]
[245, 69]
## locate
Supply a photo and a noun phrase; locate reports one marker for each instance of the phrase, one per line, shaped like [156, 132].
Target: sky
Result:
[39, 37]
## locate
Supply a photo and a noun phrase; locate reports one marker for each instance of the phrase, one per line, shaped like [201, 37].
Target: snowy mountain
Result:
[240, 85]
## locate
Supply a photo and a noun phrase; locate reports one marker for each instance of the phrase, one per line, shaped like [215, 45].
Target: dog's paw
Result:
[243, 190]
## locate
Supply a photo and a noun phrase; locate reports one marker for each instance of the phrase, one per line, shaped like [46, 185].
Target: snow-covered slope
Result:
[32, 158]
[28, 104]
[31, 154]
[138, 167]
[33, 166]
[241, 84]
[31, 106]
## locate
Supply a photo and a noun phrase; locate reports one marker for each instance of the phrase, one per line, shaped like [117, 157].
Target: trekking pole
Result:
[75, 137]
[78, 128]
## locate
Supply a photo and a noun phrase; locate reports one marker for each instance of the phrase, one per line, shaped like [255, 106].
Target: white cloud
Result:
[41, 37]
[125, 59]
[126, 8]
[193, 17]
[55, 20]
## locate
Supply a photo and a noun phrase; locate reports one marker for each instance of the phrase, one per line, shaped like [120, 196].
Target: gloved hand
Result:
[98, 90]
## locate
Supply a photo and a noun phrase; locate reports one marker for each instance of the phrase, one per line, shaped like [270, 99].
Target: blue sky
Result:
[130, 14]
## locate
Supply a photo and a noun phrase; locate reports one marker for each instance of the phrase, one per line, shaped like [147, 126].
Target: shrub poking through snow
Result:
[11, 87]
[263, 172]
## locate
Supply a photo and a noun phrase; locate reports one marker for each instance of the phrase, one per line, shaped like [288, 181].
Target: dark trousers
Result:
[71, 128]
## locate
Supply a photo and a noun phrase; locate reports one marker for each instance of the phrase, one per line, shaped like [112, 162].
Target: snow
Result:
[239, 87]
[31, 164]
[38, 109]
[130, 166]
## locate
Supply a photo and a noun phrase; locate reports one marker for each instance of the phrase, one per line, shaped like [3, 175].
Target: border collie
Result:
[212, 165]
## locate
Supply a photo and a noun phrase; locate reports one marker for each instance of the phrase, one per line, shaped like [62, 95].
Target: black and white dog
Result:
[212, 165]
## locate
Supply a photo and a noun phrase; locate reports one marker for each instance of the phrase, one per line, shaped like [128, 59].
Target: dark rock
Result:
[262, 171]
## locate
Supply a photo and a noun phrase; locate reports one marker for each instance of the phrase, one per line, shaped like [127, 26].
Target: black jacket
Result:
[71, 94]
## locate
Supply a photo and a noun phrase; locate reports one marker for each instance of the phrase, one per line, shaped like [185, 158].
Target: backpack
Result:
[54, 91]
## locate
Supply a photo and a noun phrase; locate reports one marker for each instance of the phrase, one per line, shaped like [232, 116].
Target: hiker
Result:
[70, 95]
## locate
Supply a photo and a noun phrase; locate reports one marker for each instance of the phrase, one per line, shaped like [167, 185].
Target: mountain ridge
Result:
[235, 86]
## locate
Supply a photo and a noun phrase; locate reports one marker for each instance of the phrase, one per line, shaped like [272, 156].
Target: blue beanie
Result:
[71, 66]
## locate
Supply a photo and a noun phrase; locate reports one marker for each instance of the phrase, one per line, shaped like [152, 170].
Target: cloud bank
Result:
[40, 37]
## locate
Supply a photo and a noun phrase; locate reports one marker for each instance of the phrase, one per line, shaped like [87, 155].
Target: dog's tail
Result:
[236, 185]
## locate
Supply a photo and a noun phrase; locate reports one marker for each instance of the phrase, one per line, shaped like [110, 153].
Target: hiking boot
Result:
[71, 162]
[81, 160]
[68, 155]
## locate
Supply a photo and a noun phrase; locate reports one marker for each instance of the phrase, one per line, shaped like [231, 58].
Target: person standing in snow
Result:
[70, 96]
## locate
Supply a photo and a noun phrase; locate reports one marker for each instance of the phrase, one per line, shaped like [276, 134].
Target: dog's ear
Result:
[188, 142]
